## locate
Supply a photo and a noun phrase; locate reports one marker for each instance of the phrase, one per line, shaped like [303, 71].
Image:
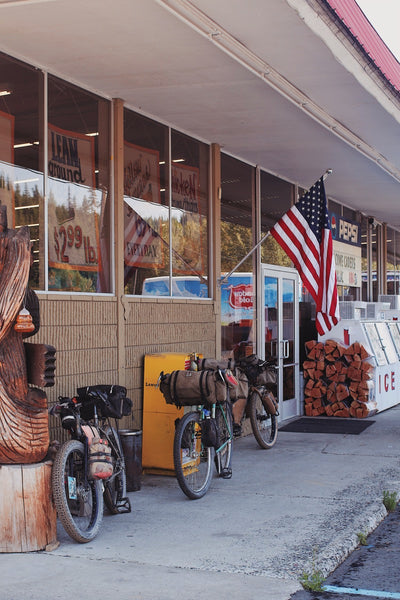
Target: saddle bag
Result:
[187, 388]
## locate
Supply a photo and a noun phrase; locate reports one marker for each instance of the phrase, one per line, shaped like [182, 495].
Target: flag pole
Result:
[225, 279]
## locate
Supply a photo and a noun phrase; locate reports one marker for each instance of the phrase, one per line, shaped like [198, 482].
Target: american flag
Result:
[304, 233]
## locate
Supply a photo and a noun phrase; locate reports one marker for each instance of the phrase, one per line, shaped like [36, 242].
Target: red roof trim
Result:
[357, 23]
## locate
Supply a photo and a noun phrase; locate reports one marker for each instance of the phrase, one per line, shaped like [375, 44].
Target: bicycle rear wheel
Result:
[78, 500]
[115, 488]
[263, 424]
[192, 460]
[223, 416]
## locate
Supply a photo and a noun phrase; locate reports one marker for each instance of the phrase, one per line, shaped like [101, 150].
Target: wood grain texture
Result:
[24, 436]
[28, 519]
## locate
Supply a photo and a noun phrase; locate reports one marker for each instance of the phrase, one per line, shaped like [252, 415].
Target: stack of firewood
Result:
[338, 380]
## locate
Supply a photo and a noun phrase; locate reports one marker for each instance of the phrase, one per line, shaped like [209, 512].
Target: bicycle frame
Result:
[224, 445]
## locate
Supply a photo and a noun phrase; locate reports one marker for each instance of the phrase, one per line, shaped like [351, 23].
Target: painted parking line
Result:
[360, 592]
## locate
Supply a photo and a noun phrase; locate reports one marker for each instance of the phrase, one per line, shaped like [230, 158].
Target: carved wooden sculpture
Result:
[24, 433]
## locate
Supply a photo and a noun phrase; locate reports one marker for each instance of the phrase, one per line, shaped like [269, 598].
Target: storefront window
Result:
[189, 215]
[79, 204]
[146, 206]
[21, 154]
[276, 200]
[237, 293]
[166, 243]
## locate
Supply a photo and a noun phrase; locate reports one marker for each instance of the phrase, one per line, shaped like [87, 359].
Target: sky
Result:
[384, 15]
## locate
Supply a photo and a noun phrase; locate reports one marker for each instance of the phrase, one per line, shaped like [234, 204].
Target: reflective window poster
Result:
[143, 213]
[74, 212]
[186, 221]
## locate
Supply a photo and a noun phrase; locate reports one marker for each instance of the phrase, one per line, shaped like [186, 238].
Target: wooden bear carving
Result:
[24, 432]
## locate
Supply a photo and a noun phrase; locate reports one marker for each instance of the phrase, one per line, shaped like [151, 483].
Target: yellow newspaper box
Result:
[158, 416]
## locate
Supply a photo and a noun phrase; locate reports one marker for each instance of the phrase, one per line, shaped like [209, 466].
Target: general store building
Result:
[149, 145]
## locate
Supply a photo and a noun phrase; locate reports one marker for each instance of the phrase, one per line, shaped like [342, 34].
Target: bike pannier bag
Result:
[187, 388]
[270, 404]
[241, 390]
[100, 463]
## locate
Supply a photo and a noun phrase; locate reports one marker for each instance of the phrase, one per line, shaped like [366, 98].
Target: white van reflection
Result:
[185, 286]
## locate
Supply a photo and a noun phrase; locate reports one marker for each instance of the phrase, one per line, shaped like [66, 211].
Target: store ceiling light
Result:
[26, 144]
[5, 92]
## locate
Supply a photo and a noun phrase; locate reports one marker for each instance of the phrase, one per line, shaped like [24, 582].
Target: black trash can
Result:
[131, 440]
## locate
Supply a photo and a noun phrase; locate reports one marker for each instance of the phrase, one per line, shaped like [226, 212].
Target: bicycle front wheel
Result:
[223, 416]
[115, 487]
[263, 424]
[78, 500]
[192, 460]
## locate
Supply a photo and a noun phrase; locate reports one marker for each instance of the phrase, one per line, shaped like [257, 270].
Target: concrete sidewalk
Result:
[250, 537]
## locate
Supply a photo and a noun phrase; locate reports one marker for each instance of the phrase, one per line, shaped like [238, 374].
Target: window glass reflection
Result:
[237, 293]
[79, 206]
[21, 155]
[146, 206]
[164, 236]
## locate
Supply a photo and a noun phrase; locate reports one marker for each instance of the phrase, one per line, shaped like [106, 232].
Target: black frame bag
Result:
[110, 400]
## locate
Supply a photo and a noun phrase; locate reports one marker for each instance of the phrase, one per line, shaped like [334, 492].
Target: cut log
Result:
[27, 513]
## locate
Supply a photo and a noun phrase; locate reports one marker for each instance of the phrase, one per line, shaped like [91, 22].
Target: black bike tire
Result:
[61, 500]
[115, 490]
[257, 398]
[225, 433]
[183, 427]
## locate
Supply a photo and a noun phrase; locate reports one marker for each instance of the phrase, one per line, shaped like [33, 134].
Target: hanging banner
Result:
[348, 264]
[6, 164]
[141, 173]
[74, 208]
[186, 220]
[142, 222]
[143, 246]
[346, 236]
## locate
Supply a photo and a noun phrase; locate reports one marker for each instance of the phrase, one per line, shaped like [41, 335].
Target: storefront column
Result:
[215, 250]
[118, 174]
[382, 259]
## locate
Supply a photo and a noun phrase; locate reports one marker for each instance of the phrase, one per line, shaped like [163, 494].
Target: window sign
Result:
[346, 237]
[186, 220]
[144, 245]
[348, 264]
[141, 173]
[143, 213]
[74, 210]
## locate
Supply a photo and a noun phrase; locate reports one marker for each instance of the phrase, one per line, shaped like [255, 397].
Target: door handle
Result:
[285, 348]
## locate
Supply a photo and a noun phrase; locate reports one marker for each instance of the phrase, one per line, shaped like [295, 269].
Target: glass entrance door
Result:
[280, 333]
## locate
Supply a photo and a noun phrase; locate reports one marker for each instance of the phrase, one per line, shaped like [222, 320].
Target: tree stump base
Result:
[28, 520]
